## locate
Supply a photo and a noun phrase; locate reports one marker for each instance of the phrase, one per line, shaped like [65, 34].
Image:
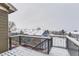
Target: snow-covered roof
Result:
[51, 34]
[34, 32]
[16, 31]
[30, 31]
[74, 33]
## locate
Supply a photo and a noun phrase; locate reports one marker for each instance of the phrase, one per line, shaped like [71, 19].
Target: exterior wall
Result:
[3, 31]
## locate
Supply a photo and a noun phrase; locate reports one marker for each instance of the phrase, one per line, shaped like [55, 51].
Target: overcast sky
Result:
[50, 16]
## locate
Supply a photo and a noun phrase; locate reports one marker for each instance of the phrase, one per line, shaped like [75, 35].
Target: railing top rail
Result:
[33, 36]
[63, 36]
[73, 40]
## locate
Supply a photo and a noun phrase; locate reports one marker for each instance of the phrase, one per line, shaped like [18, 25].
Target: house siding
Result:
[3, 31]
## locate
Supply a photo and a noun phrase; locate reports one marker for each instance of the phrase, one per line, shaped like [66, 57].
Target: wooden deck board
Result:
[22, 51]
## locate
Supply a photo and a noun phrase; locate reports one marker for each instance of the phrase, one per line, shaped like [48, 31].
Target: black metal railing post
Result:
[20, 40]
[51, 41]
[66, 43]
[78, 51]
[10, 43]
[48, 47]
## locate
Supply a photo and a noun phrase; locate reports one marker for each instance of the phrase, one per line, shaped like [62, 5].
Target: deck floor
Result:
[56, 51]
[59, 52]
[22, 51]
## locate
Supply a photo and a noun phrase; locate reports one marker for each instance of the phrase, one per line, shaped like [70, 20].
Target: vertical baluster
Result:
[45, 46]
[19, 40]
[46, 43]
[78, 47]
[10, 43]
[48, 46]
[42, 47]
[67, 43]
[78, 51]
[51, 42]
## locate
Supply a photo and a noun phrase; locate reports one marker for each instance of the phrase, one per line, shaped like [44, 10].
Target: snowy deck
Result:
[22, 51]
[59, 52]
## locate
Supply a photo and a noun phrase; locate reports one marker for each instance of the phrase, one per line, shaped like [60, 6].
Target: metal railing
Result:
[67, 42]
[44, 45]
[39, 43]
[59, 41]
[72, 46]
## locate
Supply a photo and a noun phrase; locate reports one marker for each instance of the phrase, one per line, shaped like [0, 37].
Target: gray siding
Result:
[3, 31]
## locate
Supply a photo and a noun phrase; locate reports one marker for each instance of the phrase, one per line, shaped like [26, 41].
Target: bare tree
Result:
[38, 28]
[63, 31]
[11, 26]
[70, 34]
[21, 32]
[75, 30]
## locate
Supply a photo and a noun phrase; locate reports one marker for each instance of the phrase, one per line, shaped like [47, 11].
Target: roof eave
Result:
[9, 7]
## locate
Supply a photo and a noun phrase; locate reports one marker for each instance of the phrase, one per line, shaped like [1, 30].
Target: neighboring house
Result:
[5, 9]
[46, 33]
[33, 32]
[34, 41]
[36, 32]
[16, 32]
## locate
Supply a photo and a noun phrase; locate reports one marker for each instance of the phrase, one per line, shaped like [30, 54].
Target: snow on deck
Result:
[55, 51]
[59, 52]
[22, 51]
